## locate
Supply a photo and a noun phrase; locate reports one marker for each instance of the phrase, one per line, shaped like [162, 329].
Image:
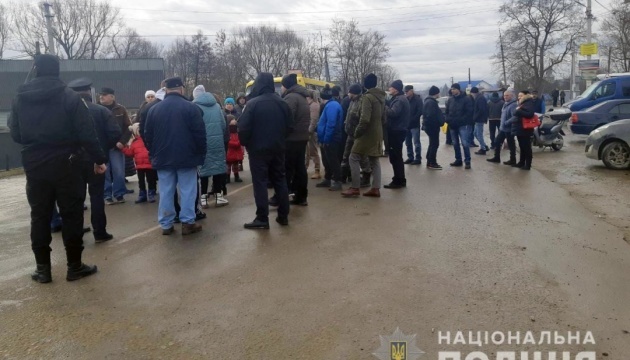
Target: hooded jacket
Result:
[265, 124]
[480, 109]
[51, 122]
[295, 96]
[495, 105]
[368, 136]
[415, 111]
[525, 109]
[175, 134]
[459, 111]
[398, 113]
[216, 133]
[138, 151]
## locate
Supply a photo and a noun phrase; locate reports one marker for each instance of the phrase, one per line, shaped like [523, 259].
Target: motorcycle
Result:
[549, 133]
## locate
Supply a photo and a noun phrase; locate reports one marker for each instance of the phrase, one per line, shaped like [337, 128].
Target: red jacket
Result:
[140, 154]
[235, 150]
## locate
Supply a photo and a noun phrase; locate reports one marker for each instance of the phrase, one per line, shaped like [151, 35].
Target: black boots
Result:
[527, 165]
[42, 274]
[79, 270]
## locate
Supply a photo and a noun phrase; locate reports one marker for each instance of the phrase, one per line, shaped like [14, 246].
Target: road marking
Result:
[148, 231]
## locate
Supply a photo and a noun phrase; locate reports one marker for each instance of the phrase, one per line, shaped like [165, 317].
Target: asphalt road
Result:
[491, 249]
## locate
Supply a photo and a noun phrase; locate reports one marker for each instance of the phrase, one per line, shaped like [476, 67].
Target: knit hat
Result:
[355, 89]
[398, 85]
[434, 90]
[456, 86]
[495, 95]
[408, 87]
[160, 94]
[370, 81]
[149, 92]
[47, 65]
[289, 81]
[198, 90]
[326, 94]
[336, 91]
[229, 101]
[474, 90]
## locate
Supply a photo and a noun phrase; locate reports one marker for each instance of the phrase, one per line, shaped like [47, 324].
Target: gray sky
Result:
[431, 41]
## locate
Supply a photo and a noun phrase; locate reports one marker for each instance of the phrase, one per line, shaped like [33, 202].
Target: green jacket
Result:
[369, 133]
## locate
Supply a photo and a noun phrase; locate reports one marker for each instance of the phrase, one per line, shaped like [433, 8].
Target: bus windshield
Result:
[278, 87]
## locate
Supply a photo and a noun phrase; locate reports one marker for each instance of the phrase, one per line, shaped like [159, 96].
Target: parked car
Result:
[611, 87]
[610, 143]
[585, 121]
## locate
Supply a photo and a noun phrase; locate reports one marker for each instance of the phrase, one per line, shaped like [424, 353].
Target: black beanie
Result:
[356, 89]
[456, 86]
[398, 85]
[289, 80]
[434, 90]
[474, 90]
[47, 65]
[370, 81]
[326, 94]
[336, 91]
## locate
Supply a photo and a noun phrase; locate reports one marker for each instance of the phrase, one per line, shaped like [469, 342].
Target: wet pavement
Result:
[491, 249]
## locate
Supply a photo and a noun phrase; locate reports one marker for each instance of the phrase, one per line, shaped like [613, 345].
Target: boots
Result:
[42, 274]
[78, 270]
[527, 165]
[365, 180]
[142, 197]
[188, 229]
[237, 178]
[220, 200]
[373, 193]
[151, 196]
[317, 175]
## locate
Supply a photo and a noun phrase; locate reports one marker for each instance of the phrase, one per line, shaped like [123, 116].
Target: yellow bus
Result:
[311, 84]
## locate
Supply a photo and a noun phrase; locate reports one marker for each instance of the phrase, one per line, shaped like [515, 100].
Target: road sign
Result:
[588, 64]
[589, 74]
[588, 49]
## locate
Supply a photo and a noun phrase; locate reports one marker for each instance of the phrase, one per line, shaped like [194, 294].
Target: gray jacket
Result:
[506, 114]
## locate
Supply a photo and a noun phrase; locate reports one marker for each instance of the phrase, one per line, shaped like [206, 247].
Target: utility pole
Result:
[49, 28]
[503, 59]
[572, 82]
[609, 55]
[452, 80]
[327, 69]
[589, 35]
[469, 76]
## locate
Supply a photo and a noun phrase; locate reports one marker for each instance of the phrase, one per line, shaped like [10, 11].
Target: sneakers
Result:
[457, 163]
[120, 200]
[317, 175]
[434, 167]
[408, 161]
[142, 197]
[199, 215]
[416, 162]
[282, 220]
[373, 193]
[351, 192]
[204, 201]
[467, 166]
[151, 196]
[481, 152]
[42, 274]
[188, 229]
[323, 184]
[220, 200]
[168, 231]
[394, 185]
[99, 238]
[257, 224]
[79, 270]
[335, 186]
[109, 201]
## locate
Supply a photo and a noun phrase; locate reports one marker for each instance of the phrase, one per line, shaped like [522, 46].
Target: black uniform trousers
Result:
[269, 168]
[493, 126]
[297, 177]
[396, 141]
[62, 182]
[96, 189]
[434, 144]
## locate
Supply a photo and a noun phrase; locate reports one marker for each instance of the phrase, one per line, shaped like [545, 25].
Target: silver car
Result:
[611, 144]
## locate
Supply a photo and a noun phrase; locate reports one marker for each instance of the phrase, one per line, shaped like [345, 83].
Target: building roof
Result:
[130, 78]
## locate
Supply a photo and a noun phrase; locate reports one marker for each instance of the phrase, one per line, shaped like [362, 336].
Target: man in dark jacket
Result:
[495, 106]
[54, 126]
[397, 126]
[263, 129]
[480, 116]
[297, 178]
[554, 95]
[459, 116]
[433, 121]
[115, 188]
[175, 136]
[539, 103]
[108, 132]
[413, 134]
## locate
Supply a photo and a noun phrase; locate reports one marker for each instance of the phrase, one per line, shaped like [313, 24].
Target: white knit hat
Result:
[198, 91]
[149, 92]
[160, 94]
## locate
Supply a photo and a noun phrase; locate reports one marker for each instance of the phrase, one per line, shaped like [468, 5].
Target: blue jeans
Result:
[461, 133]
[413, 138]
[187, 181]
[115, 175]
[479, 135]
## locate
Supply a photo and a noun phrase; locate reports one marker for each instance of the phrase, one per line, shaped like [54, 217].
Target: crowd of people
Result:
[180, 144]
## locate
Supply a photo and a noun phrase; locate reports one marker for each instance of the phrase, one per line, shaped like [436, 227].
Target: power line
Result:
[602, 5]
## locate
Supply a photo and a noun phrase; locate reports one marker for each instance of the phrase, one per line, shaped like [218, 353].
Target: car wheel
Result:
[559, 145]
[616, 155]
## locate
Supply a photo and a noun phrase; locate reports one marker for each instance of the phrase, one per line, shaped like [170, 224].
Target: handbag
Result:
[531, 123]
[444, 128]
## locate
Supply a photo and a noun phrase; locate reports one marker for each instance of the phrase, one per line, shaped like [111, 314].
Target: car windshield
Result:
[278, 88]
[587, 93]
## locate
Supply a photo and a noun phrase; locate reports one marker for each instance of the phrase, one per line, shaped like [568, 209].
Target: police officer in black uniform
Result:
[108, 132]
[53, 125]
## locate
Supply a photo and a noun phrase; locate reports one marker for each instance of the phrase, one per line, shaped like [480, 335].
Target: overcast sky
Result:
[430, 41]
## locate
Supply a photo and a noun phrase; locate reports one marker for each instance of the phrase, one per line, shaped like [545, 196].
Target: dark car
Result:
[611, 144]
[585, 121]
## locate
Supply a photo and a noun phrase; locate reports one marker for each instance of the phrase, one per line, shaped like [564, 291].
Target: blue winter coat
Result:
[175, 134]
[214, 163]
[330, 126]
[506, 114]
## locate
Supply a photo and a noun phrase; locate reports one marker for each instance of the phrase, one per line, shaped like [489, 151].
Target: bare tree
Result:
[231, 66]
[98, 22]
[616, 29]
[268, 49]
[539, 37]
[27, 27]
[127, 44]
[4, 28]
[386, 75]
